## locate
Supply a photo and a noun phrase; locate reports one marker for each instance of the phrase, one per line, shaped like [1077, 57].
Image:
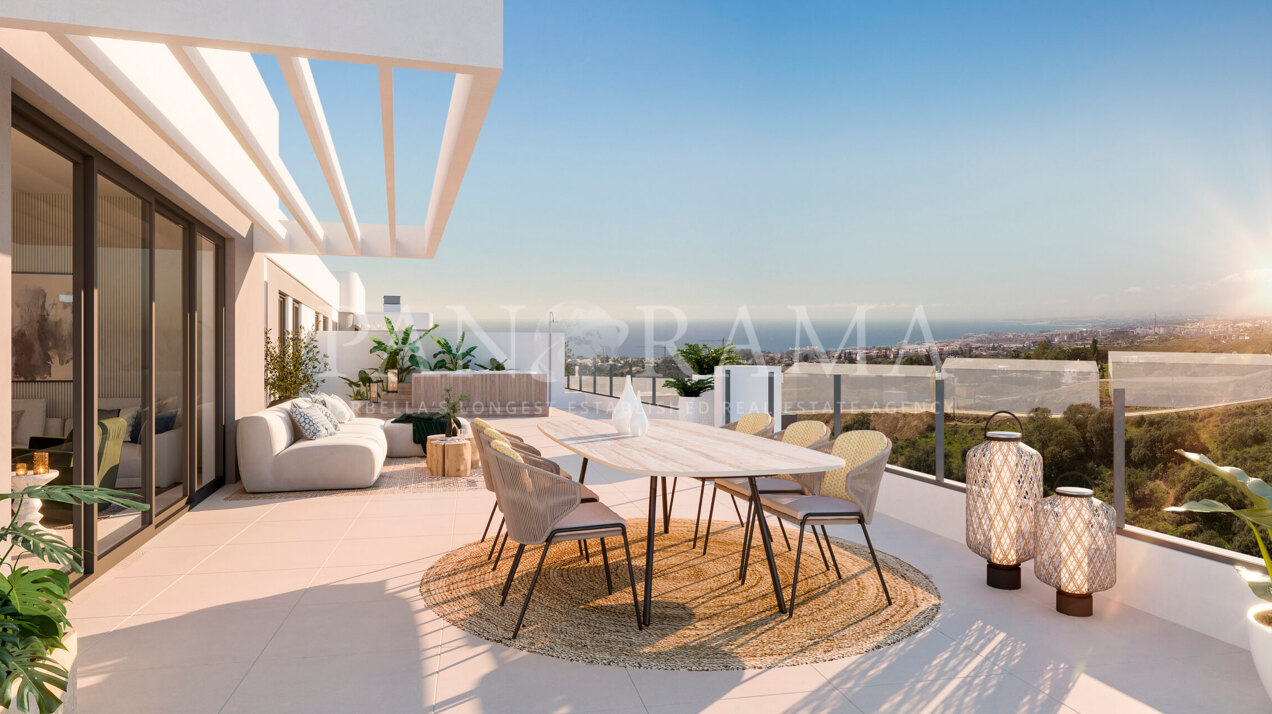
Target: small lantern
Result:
[1077, 551]
[391, 381]
[1004, 487]
[41, 461]
[20, 470]
[374, 391]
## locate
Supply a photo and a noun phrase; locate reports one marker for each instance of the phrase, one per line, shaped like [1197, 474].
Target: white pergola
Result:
[185, 69]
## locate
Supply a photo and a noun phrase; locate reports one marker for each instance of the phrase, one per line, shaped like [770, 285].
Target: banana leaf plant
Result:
[1259, 516]
[400, 351]
[33, 622]
[452, 358]
[360, 388]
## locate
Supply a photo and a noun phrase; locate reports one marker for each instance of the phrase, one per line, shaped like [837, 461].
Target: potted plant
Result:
[694, 407]
[360, 389]
[696, 401]
[451, 407]
[1258, 516]
[400, 352]
[292, 365]
[37, 644]
[452, 358]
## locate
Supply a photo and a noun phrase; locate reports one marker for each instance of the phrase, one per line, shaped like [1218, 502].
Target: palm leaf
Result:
[45, 545]
[392, 333]
[73, 494]
[39, 680]
[37, 593]
[1260, 492]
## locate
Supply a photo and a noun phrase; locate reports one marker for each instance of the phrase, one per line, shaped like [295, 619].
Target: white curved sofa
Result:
[274, 456]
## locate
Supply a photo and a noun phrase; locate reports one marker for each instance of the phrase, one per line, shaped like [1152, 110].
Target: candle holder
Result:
[390, 381]
[1004, 486]
[41, 462]
[20, 470]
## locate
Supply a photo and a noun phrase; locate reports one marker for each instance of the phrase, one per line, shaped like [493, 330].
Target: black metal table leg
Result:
[649, 547]
[666, 507]
[766, 538]
[583, 470]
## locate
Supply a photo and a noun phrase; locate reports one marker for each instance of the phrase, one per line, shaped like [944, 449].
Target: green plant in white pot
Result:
[35, 634]
[696, 401]
[1259, 518]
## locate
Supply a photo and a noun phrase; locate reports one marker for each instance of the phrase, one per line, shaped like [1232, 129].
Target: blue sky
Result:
[998, 160]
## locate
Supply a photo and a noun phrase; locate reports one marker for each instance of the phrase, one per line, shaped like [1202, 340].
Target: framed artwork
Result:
[43, 327]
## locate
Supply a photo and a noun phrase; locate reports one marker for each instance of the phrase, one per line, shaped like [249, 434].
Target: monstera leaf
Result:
[39, 679]
[1259, 516]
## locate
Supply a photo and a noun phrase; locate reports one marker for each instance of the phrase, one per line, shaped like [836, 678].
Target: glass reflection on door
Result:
[170, 460]
[207, 350]
[125, 421]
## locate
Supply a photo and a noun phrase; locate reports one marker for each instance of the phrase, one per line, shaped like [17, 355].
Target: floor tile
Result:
[431, 524]
[476, 675]
[118, 596]
[219, 634]
[124, 688]
[299, 530]
[162, 561]
[827, 701]
[1003, 694]
[242, 557]
[658, 688]
[389, 551]
[200, 591]
[357, 583]
[388, 681]
[370, 626]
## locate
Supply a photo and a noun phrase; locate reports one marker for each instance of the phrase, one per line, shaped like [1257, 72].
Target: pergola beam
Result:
[470, 100]
[300, 81]
[386, 128]
[101, 66]
[270, 165]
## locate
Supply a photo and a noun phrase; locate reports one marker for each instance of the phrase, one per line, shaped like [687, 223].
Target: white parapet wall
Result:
[350, 350]
[1200, 593]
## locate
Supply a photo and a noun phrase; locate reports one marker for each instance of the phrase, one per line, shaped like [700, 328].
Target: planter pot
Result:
[696, 409]
[66, 658]
[1261, 645]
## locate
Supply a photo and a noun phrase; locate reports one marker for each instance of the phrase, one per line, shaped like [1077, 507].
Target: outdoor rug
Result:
[703, 618]
[405, 475]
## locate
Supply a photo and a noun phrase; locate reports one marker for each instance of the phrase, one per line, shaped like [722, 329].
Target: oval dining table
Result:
[673, 449]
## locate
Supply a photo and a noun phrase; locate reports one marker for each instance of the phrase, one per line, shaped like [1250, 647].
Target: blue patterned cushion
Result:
[311, 422]
[328, 415]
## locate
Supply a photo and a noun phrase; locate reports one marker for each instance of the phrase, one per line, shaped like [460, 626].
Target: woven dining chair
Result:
[809, 434]
[843, 495]
[755, 424]
[482, 438]
[541, 507]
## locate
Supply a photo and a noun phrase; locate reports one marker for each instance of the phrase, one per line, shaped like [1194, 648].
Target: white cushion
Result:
[344, 412]
[31, 421]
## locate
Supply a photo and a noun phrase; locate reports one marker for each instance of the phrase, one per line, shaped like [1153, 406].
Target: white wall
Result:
[310, 271]
[1189, 590]
[353, 294]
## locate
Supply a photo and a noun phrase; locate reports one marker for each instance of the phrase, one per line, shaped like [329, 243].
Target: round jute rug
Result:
[703, 618]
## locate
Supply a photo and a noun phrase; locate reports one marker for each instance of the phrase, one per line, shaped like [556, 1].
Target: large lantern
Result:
[1077, 552]
[1004, 487]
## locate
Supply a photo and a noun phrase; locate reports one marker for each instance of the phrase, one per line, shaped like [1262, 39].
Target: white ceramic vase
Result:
[639, 422]
[628, 404]
[1261, 646]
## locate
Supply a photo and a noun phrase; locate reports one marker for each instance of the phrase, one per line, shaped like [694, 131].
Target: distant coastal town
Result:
[1242, 335]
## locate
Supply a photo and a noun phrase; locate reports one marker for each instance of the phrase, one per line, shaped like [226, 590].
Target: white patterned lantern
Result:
[1077, 552]
[1004, 488]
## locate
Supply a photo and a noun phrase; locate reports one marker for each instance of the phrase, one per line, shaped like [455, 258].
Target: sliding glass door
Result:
[117, 339]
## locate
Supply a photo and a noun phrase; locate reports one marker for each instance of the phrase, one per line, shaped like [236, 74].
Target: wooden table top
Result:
[677, 448]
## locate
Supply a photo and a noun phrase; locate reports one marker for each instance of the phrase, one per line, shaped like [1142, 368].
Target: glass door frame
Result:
[88, 163]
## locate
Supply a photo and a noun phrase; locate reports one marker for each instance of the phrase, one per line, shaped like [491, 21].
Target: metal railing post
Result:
[1119, 455]
[594, 365]
[940, 430]
[653, 387]
[728, 376]
[611, 379]
[837, 427]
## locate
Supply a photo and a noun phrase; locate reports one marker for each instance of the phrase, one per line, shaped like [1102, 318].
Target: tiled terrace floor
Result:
[312, 606]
